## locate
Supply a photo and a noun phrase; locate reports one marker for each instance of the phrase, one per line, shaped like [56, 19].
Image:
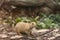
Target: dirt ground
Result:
[6, 33]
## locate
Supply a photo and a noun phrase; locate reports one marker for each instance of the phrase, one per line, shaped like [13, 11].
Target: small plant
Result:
[43, 22]
[18, 20]
[49, 21]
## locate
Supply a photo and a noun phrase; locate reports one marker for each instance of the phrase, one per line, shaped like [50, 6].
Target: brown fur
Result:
[23, 27]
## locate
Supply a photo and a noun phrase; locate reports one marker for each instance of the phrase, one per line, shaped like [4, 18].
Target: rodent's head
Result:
[33, 24]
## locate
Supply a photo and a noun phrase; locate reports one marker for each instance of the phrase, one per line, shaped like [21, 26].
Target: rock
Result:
[29, 2]
[36, 32]
[45, 10]
[51, 38]
[43, 30]
[3, 36]
[54, 37]
[49, 3]
[16, 37]
[11, 33]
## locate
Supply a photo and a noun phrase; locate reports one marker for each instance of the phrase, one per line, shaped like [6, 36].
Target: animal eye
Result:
[32, 23]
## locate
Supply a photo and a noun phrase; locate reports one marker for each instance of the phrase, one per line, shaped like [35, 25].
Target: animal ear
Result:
[33, 23]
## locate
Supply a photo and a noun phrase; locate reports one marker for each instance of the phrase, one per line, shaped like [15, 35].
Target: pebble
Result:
[3, 36]
[16, 37]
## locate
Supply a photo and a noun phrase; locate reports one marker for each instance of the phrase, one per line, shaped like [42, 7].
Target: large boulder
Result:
[28, 2]
[10, 4]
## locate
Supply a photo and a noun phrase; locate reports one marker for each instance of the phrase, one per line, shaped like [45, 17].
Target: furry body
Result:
[23, 27]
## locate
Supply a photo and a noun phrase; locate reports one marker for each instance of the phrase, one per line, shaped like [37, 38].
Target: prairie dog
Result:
[23, 27]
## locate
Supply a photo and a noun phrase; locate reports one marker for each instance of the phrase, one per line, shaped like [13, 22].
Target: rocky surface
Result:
[42, 34]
